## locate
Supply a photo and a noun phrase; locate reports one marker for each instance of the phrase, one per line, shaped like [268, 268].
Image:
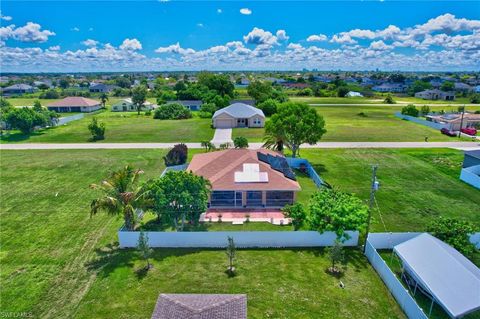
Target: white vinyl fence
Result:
[437, 126]
[243, 239]
[401, 295]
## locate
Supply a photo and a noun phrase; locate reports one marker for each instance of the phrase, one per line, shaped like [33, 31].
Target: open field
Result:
[122, 127]
[416, 186]
[59, 262]
[375, 100]
[365, 124]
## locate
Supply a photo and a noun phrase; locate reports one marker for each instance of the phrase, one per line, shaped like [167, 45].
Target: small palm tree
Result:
[274, 141]
[121, 195]
[104, 99]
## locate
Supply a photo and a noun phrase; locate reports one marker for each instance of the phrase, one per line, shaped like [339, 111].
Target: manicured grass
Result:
[424, 302]
[122, 127]
[336, 100]
[417, 186]
[58, 262]
[373, 123]
[417, 101]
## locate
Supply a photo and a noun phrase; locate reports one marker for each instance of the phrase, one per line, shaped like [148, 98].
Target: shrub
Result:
[297, 213]
[425, 110]
[240, 142]
[176, 156]
[204, 115]
[172, 111]
[26, 119]
[97, 130]
[148, 112]
[410, 110]
[208, 108]
[454, 232]
[389, 99]
[342, 91]
[50, 94]
[475, 99]
[224, 146]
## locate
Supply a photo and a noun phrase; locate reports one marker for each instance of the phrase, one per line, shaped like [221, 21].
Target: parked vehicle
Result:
[448, 132]
[469, 130]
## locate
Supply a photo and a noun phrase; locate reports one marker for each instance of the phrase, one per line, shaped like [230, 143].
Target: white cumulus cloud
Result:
[90, 43]
[246, 11]
[282, 35]
[317, 38]
[131, 44]
[260, 37]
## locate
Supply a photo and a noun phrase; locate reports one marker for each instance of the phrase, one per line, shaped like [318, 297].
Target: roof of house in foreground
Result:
[240, 110]
[220, 167]
[75, 101]
[200, 306]
[452, 279]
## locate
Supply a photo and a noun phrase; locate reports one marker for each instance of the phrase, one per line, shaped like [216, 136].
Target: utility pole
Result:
[461, 122]
[373, 189]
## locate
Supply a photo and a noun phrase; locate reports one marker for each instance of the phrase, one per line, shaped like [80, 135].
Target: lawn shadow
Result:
[18, 137]
[319, 168]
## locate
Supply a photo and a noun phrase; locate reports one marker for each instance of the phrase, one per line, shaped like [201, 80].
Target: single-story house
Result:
[353, 94]
[193, 105]
[18, 89]
[462, 87]
[248, 102]
[200, 306]
[453, 120]
[477, 89]
[126, 105]
[238, 115]
[390, 87]
[441, 273]
[100, 88]
[435, 95]
[74, 104]
[246, 179]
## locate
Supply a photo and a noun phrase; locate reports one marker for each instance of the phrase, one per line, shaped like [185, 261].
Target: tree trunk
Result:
[183, 220]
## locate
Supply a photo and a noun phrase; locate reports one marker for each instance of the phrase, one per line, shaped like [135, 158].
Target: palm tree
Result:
[121, 195]
[104, 99]
[274, 141]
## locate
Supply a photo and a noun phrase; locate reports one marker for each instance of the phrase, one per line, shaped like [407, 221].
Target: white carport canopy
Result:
[452, 279]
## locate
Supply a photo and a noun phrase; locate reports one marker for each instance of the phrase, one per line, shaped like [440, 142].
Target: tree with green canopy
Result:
[455, 232]
[297, 213]
[104, 99]
[178, 197]
[144, 248]
[139, 96]
[333, 210]
[294, 124]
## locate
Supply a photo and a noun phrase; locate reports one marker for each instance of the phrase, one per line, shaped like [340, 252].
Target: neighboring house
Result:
[246, 179]
[75, 104]
[452, 121]
[471, 158]
[193, 105]
[435, 95]
[126, 105]
[470, 173]
[390, 87]
[18, 89]
[100, 88]
[477, 89]
[238, 115]
[42, 83]
[296, 85]
[200, 306]
[462, 87]
[353, 94]
[248, 102]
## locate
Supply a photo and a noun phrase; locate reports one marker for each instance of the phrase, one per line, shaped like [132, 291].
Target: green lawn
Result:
[122, 127]
[57, 262]
[373, 123]
[336, 100]
[416, 185]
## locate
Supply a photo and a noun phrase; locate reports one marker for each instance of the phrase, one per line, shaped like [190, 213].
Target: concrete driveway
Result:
[221, 136]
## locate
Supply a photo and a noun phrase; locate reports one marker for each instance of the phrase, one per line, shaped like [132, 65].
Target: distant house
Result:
[296, 85]
[248, 102]
[126, 105]
[18, 89]
[75, 104]
[200, 306]
[452, 121]
[246, 179]
[462, 87]
[238, 115]
[353, 94]
[435, 95]
[477, 89]
[390, 87]
[193, 105]
[100, 88]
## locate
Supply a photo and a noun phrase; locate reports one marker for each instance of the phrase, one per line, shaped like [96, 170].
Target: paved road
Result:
[456, 145]
[221, 136]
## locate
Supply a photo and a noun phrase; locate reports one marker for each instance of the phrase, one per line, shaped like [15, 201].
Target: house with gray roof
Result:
[18, 89]
[200, 306]
[435, 95]
[100, 88]
[193, 105]
[238, 115]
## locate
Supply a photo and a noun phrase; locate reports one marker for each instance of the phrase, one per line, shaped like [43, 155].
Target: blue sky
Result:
[185, 35]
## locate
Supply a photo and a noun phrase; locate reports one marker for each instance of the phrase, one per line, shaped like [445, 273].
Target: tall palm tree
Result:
[104, 99]
[274, 140]
[121, 195]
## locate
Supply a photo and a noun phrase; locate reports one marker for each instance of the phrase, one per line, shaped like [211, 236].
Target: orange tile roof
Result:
[219, 168]
[75, 101]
